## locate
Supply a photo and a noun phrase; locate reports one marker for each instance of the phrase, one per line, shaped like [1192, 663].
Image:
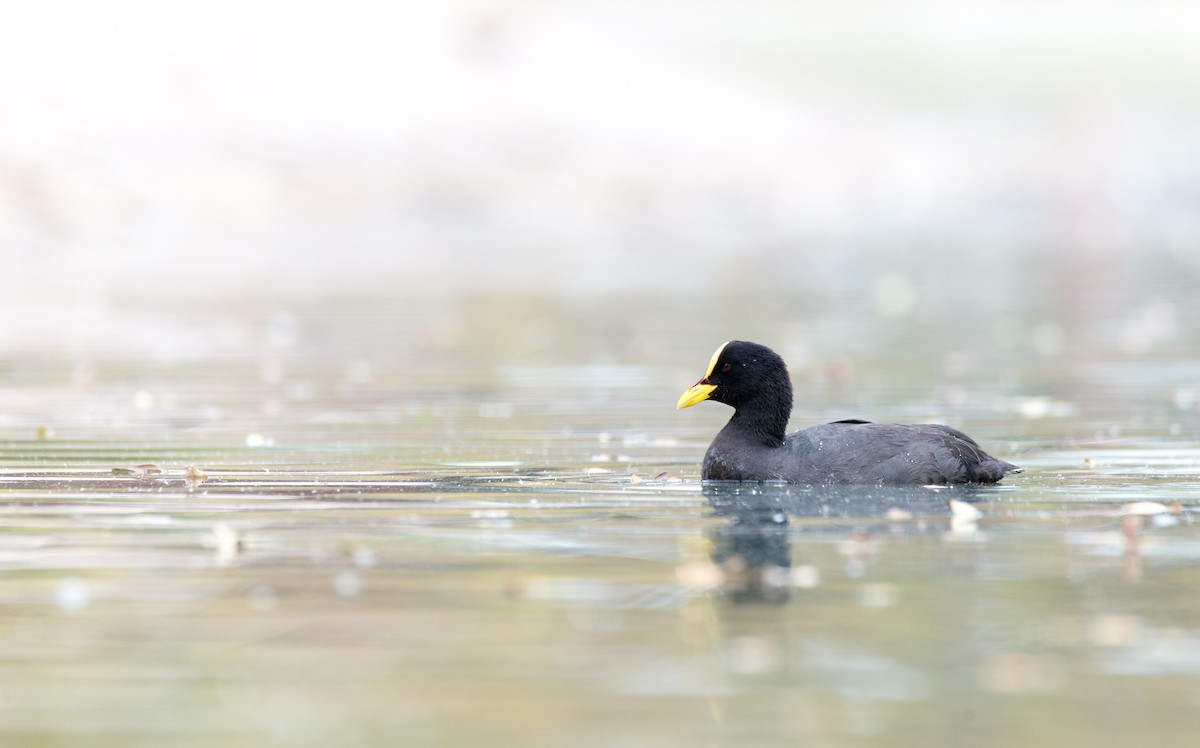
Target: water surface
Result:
[505, 542]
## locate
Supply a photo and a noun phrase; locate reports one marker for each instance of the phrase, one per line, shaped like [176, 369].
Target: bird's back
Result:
[864, 452]
[859, 452]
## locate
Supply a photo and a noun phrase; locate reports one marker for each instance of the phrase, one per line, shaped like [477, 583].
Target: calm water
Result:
[487, 529]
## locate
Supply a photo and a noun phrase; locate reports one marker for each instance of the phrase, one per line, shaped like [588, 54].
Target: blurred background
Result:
[184, 181]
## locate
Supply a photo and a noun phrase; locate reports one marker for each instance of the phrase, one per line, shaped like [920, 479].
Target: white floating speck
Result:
[72, 595]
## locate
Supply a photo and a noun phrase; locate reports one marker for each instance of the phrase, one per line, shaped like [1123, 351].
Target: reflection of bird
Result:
[754, 444]
[752, 547]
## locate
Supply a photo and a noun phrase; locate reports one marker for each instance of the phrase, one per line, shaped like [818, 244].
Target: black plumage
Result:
[755, 445]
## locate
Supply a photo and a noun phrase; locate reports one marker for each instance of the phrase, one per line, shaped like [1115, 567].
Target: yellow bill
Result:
[703, 389]
[697, 392]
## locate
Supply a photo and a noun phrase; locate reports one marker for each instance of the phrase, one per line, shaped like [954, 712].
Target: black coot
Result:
[754, 445]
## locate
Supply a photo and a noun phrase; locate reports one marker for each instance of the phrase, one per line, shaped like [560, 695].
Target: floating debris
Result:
[42, 433]
[194, 475]
[1089, 463]
[636, 480]
[139, 471]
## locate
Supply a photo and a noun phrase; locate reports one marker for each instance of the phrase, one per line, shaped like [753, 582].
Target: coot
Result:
[754, 445]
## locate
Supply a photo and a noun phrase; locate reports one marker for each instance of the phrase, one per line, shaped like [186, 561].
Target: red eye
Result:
[726, 368]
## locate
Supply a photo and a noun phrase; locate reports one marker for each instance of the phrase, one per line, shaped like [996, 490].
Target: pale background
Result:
[853, 153]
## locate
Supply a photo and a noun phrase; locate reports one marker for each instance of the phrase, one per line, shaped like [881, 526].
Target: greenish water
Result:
[493, 534]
